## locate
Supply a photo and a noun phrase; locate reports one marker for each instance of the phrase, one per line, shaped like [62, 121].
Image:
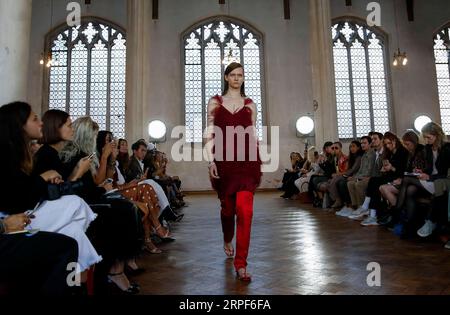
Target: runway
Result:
[295, 250]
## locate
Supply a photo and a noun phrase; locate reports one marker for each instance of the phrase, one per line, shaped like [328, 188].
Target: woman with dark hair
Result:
[22, 191]
[394, 160]
[124, 156]
[416, 160]
[235, 180]
[56, 132]
[421, 183]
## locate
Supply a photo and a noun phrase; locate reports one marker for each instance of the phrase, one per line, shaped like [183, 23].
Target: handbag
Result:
[56, 191]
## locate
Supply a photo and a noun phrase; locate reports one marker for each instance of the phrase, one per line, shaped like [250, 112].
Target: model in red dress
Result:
[236, 168]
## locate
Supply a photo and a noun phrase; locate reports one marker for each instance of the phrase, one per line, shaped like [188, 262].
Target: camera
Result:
[67, 188]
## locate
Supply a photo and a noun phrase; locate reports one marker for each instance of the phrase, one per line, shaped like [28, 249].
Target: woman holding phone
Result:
[21, 190]
[115, 232]
[141, 194]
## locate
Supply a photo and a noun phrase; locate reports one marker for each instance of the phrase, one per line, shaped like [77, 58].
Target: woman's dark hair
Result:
[101, 140]
[123, 158]
[411, 136]
[233, 66]
[13, 139]
[352, 156]
[53, 120]
[393, 138]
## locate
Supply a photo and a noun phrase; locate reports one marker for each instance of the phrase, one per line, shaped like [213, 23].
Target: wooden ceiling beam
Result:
[155, 9]
[410, 9]
[287, 9]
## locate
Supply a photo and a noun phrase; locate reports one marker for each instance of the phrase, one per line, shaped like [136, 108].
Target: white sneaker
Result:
[345, 212]
[359, 214]
[427, 229]
[370, 221]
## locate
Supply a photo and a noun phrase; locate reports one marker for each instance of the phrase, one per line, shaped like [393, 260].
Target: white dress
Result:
[71, 216]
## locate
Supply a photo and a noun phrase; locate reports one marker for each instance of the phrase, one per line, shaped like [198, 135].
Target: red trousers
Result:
[241, 206]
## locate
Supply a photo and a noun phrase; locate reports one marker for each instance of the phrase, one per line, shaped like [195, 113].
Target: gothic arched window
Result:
[441, 54]
[208, 49]
[88, 74]
[362, 85]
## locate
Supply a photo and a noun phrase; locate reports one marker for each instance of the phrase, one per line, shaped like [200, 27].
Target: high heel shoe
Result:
[151, 248]
[131, 290]
[166, 237]
[243, 276]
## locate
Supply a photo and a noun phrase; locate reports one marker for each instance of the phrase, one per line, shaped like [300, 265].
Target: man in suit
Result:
[136, 171]
[136, 167]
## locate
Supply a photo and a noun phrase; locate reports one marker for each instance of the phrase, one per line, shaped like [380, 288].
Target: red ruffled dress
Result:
[243, 171]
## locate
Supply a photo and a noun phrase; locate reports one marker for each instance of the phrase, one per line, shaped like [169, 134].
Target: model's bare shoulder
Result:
[213, 103]
[252, 106]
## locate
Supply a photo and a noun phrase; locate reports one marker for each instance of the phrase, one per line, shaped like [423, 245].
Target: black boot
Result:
[170, 216]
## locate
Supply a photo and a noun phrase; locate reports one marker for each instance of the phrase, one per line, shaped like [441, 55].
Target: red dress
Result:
[243, 172]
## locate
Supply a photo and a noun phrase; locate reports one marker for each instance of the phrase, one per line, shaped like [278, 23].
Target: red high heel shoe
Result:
[243, 276]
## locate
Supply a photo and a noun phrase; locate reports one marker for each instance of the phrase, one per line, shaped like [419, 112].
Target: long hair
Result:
[101, 140]
[352, 156]
[14, 142]
[84, 142]
[393, 138]
[53, 121]
[434, 129]
[123, 158]
[233, 66]
[411, 136]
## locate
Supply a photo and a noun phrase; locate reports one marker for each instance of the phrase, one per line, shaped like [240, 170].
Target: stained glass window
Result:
[361, 80]
[441, 55]
[205, 48]
[88, 77]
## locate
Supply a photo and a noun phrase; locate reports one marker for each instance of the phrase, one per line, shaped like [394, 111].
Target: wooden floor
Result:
[295, 249]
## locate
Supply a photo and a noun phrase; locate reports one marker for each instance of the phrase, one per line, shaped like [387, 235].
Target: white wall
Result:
[287, 62]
